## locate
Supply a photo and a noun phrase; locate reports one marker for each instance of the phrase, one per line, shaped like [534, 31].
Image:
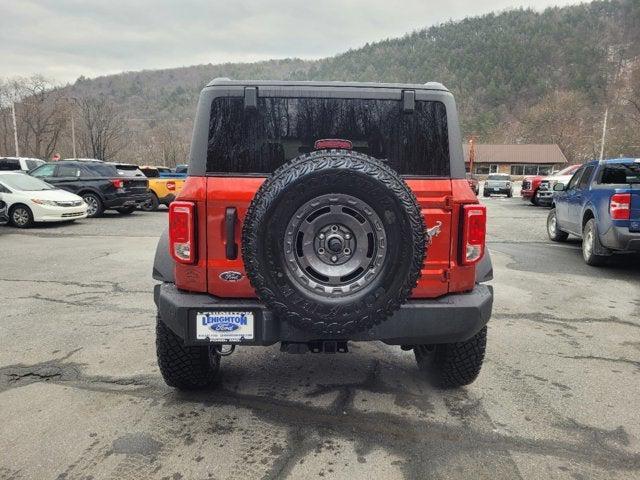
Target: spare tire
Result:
[333, 242]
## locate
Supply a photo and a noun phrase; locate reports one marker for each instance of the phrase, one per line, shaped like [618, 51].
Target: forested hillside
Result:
[518, 76]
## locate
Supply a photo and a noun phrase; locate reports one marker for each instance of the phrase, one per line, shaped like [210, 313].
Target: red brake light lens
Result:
[474, 229]
[620, 206]
[171, 185]
[117, 182]
[182, 231]
[332, 143]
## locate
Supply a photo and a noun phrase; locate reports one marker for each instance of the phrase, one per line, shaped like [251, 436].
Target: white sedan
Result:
[29, 199]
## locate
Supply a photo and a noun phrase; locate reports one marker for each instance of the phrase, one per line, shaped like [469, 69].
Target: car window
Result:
[575, 179]
[9, 164]
[31, 164]
[257, 141]
[25, 183]
[44, 171]
[91, 169]
[150, 172]
[586, 177]
[67, 171]
[621, 173]
[498, 177]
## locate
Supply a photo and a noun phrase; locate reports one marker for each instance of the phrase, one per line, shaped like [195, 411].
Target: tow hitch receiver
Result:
[319, 346]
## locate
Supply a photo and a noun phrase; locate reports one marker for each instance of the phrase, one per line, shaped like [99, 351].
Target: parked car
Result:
[163, 190]
[28, 200]
[306, 237]
[473, 183]
[601, 205]
[98, 183]
[499, 183]
[545, 190]
[19, 164]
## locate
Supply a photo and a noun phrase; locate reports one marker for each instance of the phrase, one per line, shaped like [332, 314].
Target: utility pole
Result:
[472, 152]
[604, 131]
[73, 135]
[15, 128]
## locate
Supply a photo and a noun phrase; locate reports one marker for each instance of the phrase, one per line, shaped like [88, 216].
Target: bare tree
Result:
[103, 132]
[41, 116]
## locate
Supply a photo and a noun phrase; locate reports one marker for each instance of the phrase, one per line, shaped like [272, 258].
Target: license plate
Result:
[224, 326]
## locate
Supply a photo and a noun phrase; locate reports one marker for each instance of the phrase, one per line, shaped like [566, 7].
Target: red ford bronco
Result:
[318, 213]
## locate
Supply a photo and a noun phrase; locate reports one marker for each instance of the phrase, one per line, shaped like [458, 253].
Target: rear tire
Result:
[591, 245]
[21, 216]
[535, 199]
[452, 365]
[184, 367]
[126, 210]
[152, 204]
[555, 234]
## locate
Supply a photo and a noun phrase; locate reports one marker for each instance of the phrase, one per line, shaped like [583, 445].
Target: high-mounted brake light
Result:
[620, 206]
[171, 185]
[182, 231]
[117, 182]
[474, 229]
[332, 143]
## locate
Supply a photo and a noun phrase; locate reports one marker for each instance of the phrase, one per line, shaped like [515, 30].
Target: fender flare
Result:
[163, 264]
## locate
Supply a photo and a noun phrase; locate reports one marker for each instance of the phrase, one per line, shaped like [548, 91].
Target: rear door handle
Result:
[230, 219]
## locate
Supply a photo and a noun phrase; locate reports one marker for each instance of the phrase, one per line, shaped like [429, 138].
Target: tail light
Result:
[117, 182]
[332, 143]
[182, 231]
[620, 206]
[171, 186]
[474, 229]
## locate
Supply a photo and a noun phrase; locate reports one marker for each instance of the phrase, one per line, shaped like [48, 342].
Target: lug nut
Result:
[347, 251]
[334, 259]
[321, 251]
[334, 228]
[347, 236]
[321, 236]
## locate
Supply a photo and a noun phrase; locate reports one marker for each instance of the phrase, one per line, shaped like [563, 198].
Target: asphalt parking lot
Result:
[81, 396]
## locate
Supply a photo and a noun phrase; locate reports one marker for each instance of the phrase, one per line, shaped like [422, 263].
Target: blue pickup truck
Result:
[601, 205]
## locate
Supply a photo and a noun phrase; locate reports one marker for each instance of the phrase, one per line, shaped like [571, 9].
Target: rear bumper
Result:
[621, 239]
[125, 200]
[166, 200]
[452, 318]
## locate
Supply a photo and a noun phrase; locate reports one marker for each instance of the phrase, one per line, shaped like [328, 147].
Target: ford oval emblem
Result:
[224, 327]
[231, 276]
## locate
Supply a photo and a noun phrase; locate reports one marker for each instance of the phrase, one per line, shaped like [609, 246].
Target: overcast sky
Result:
[64, 39]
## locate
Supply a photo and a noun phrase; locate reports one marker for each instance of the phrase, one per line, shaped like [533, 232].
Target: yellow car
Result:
[163, 190]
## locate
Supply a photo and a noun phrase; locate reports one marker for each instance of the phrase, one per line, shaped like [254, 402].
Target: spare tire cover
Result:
[333, 242]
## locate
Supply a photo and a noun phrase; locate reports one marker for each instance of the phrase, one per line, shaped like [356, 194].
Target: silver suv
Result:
[498, 183]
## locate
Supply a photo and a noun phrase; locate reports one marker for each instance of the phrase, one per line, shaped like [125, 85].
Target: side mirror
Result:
[558, 187]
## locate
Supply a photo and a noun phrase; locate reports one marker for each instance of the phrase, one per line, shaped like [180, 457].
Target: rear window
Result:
[128, 170]
[150, 172]
[257, 141]
[99, 169]
[498, 177]
[31, 164]
[621, 173]
[9, 164]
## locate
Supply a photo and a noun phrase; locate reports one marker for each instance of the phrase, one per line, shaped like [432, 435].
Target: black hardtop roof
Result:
[227, 82]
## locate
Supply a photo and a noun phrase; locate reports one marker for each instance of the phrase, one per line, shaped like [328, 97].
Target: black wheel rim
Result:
[20, 217]
[335, 245]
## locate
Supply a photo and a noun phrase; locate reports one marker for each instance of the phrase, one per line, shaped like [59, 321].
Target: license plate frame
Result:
[225, 326]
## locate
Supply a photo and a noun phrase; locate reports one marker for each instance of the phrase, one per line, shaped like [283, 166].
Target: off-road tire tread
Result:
[460, 363]
[318, 161]
[183, 367]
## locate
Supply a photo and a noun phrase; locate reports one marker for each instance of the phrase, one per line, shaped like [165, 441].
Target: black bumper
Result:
[125, 200]
[167, 200]
[447, 319]
[621, 239]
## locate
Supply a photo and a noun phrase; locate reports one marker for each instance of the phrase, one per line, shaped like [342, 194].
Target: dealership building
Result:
[516, 160]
